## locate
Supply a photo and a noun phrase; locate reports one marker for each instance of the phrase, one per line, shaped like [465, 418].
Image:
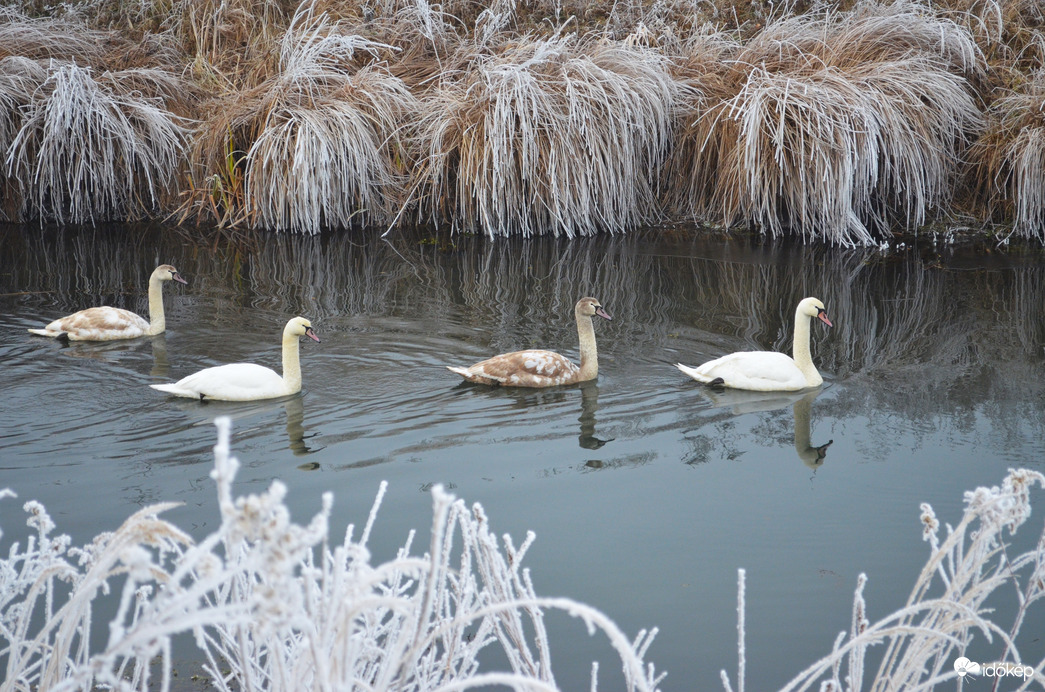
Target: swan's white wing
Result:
[760, 371]
[233, 382]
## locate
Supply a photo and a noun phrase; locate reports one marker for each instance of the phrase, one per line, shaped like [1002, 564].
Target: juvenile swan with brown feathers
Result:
[108, 324]
[537, 368]
[768, 371]
[247, 381]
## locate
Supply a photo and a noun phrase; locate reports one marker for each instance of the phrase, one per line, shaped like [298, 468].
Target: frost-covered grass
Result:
[80, 142]
[315, 145]
[273, 605]
[92, 147]
[918, 644]
[834, 127]
[277, 606]
[841, 122]
[548, 137]
[1010, 157]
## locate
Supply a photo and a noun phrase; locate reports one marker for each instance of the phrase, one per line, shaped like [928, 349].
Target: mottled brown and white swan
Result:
[108, 324]
[768, 371]
[247, 381]
[537, 368]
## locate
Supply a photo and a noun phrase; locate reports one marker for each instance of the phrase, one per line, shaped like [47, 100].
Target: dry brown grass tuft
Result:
[832, 127]
[1009, 160]
[93, 147]
[43, 38]
[1008, 32]
[315, 145]
[225, 38]
[547, 136]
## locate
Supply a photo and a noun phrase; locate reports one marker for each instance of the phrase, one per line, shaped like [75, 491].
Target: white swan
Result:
[536, 368]
[108, 324]
[768, 371]
[247, 381]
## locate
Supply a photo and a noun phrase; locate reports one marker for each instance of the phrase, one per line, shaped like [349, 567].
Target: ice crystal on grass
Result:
[273, 606]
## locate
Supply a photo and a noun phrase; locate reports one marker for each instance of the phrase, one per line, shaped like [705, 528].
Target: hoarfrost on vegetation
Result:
[947, 605]
[272, 605]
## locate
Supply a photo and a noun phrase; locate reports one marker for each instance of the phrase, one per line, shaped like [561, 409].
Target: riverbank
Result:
[844, 123]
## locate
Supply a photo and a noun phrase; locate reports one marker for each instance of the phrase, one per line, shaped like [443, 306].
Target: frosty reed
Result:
[839, 124]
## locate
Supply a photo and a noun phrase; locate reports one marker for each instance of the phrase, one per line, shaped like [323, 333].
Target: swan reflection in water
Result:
[206, 411]
[589, 405]
[110, 351]
[740, 402]
[560, 397]
[811, 456]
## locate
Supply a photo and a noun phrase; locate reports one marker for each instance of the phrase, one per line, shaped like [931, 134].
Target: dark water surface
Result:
[646, 493]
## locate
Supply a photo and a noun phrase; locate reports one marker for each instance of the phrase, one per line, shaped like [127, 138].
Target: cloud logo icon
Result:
[964, 666]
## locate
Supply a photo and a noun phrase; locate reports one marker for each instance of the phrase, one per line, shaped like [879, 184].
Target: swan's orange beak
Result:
[602, 313]
[177, 277]
[311, 334]
[823, 317]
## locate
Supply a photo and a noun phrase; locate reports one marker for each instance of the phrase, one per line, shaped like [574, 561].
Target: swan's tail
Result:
[44, 332]
[694, 373]
[175, 390]
[467, 374]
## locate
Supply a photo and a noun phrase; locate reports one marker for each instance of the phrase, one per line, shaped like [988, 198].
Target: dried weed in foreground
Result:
[273, 605]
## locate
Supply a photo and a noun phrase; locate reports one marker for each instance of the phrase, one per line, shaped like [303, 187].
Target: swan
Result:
[108, 324]
[537, 368]
[247, 381]
[768, 371]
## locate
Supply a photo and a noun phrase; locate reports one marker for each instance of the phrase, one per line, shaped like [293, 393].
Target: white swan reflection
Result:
[740, 402]
[206, 412]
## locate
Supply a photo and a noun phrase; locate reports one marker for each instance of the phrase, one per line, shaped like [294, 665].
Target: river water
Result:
[646, 491]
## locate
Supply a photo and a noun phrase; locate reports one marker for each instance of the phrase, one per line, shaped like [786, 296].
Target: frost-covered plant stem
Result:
[928, 634]
[273, 607]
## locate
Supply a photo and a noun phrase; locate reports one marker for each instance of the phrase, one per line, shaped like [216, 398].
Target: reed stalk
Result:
[947, 604]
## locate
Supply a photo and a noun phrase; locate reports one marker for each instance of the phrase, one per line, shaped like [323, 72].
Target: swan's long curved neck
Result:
[589, 353]
[803, 410]
[291, 363]
[157, 321]
[800, 350]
